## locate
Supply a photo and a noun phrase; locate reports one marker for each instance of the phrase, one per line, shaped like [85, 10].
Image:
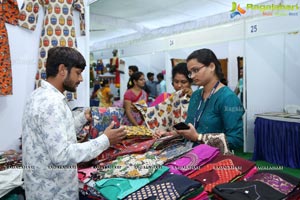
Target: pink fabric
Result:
[161, 98]
[250, 173]
[85, 173]
[193, 160]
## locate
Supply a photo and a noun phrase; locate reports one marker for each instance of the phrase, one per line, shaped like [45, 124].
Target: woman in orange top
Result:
[104, 95]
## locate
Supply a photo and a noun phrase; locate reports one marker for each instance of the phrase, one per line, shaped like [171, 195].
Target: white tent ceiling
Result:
[112, 19]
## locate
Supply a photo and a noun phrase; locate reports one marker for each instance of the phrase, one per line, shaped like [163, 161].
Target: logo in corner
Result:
[236, 10]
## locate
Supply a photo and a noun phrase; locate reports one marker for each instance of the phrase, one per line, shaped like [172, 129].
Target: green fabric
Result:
[118, 188]
[222, 114]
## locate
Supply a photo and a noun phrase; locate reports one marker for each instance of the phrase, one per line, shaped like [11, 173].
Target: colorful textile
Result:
[161, 98]
[58, 28]
[140, 98]
[102, 117]
[193, 160]
[263, 185]
[174, 151]
[172, 186]
[275, 181]
[118, 188]
[127, 146]
[214, 174]
[138, 131]
[131, 166]
[166, 114]
[9, 13]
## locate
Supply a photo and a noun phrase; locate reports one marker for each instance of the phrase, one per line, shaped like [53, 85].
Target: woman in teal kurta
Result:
[223, 114]
[213, 108]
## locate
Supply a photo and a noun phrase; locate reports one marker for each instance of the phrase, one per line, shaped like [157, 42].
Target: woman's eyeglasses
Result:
[195, 70]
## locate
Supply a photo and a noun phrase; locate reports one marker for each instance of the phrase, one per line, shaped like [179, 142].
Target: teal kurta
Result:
[222, 114]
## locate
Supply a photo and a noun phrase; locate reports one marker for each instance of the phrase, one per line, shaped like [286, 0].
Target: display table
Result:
[277, 140]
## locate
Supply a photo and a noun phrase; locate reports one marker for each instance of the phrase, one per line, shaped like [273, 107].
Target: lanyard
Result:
[199, 112]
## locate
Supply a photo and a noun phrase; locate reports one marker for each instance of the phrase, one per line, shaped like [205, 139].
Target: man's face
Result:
[151, 78]
[73, 79]
[130, 72]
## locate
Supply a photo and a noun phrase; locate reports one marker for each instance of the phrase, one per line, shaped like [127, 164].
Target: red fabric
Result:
[128, 146]
[214, 174]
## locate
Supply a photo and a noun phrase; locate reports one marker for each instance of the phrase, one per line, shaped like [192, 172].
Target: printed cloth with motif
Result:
[138, 131]
[174, 151]
[58, 28]
[164, 115]
[102, 117]
[263, 185]
[9, 13]
[127, 146]
[131, 166]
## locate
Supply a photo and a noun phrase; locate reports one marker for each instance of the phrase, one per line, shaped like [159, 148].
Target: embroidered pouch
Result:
[193, 160]
[217, 140]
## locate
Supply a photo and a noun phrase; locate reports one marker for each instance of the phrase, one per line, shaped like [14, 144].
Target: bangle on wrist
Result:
[199, 139]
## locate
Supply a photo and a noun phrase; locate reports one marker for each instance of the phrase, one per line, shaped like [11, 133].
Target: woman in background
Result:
[104, 94]
[180, 81]
[134, 94]
[131, 70]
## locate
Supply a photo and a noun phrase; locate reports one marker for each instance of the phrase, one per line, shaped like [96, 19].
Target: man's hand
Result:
[88, 114]
[115, 136]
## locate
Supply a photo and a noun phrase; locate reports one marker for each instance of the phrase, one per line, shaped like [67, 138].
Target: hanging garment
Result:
[58, 28]
[9, 13]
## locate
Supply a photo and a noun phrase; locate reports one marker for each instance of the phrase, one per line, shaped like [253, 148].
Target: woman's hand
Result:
[190, 134]
[187, 91]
